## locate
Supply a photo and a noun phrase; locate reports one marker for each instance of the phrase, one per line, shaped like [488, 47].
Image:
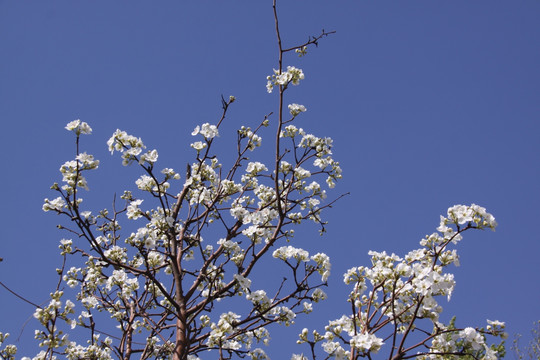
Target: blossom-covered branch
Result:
[395, 302]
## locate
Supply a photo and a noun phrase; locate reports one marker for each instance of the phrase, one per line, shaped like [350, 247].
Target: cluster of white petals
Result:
[79, 127]
[133, 210]
[366, 343]
[131, 148]
[287, 252]
[292, 75]
[254, 140]
[206, 130]
[296, 109]
[56, 204]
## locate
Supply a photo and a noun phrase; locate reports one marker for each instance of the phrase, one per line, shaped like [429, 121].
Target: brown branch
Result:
[19, 296]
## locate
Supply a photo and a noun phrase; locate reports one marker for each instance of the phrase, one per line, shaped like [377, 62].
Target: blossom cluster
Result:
[79, 127]
[220, 335]
[287, 253]
[278, 78]
[254, 140]
[322, 148]
[296, 109]
[131, 148]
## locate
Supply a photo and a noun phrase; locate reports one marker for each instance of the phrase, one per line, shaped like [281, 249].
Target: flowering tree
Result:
[178, 286]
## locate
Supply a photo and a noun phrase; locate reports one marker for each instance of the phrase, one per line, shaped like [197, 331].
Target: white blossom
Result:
[79, 127]
[296, 109]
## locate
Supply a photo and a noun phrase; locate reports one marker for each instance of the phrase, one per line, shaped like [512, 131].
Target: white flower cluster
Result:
[202, 173]
[57, 204]
[260, 220]
[9, 351]
[366, 343]
[302, 256]
[120, 279]
[131, 148]
[243, 283]
[323, 265]
[96, 349]
[198, 145]
[462, 214]
[286, 252]
[260, 300]
[254, 140]
[468, 339]
[56, 309]
[302, 51]
[148, 183]
[206, 130]
[254, 168]
[323, 152]
[220, 335]
[72, 170]
[152, 234]
[296, 109]
[133, 211]
[292, 75]
[233, 250]
[79, 127]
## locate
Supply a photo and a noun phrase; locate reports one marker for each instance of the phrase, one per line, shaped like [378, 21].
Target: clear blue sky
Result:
[430, 104]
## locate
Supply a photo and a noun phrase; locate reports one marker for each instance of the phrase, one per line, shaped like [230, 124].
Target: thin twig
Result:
[19, 296]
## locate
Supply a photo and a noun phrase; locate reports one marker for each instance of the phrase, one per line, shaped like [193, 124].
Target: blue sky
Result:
[429, 103]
